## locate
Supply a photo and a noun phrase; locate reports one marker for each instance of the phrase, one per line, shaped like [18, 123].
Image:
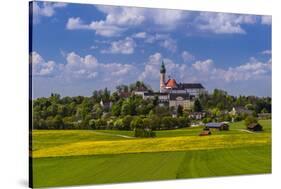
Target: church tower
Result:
[162, 77]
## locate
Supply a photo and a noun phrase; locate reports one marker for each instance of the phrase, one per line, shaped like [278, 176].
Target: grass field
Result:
[95, 157]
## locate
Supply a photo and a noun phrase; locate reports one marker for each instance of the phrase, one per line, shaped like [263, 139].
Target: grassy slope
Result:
[43, 139]
[153, 145]
[69, 143]
[74, 170]
[79, 170]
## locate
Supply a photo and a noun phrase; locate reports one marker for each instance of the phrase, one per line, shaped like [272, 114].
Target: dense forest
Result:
[124, 111]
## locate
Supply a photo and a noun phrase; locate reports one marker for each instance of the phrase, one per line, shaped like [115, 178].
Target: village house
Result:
[197, 115]
[219, 126]
[205, 133]
[264, 116]
[254, 127]
[240, 110]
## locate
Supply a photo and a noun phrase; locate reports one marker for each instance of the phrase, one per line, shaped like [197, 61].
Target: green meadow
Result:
[77, 157]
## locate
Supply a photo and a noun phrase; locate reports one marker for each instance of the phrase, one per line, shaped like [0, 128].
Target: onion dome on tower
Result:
[162, 68]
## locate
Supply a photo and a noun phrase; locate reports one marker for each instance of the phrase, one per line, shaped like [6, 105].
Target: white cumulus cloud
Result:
[45, 9]
[266, 52]
[88, 67]
[140, 35]
[125, 46]
[40, 67]
[169, 44]
[187, 56]
[101, 28]
[223, 23]
[120, 19]
[266, 20]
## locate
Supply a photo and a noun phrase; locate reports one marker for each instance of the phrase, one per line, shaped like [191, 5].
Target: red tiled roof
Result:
[171, 83]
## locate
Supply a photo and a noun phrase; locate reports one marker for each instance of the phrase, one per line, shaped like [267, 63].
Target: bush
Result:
[144, 133]
[155, 122]
[167, 122]
[207, 120]
[127, 122]
[110, 124]
[136, 123]
[146, 123]
[250, 119]
[183, 122]
[92, 124]
[100, 124]
[118, 124]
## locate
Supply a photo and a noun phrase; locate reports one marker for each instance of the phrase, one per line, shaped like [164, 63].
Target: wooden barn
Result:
[220, 126]
[205, 133]
[254, 127]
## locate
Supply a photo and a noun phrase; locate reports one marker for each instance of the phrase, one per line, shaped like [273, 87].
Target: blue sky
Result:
[79, 48]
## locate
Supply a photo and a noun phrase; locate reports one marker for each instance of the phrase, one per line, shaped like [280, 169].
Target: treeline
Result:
[124, 111]
[86, 113]
[221, 101]
[104, 110]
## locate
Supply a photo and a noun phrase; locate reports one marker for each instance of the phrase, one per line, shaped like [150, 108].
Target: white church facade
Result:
[174, 94]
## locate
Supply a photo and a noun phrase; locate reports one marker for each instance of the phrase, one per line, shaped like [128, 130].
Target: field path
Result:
[110, 134]
[244, 130]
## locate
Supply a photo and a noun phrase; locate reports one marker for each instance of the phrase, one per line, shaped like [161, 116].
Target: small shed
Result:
[205, 133]
[220, 126]
[254, 127]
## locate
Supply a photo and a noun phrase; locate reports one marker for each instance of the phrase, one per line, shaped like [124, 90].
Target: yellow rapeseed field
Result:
[181, 143]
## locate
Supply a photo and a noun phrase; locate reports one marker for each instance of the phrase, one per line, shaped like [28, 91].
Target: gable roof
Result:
[171, 83]
[190, 86]
[214, 124]
[253, 125]
[155, 94]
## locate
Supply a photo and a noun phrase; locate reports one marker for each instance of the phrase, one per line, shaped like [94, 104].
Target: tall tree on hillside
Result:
[179, 110]
[197, 106]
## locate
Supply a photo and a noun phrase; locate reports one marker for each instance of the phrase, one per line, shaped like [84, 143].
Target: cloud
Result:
[125, 46]
[157, 37]
[75, 23]
[169, 44]
[205, 71]
[223, 23]
[187, 56]
[88, 67]
[120, 19]
[266, 52]
[164, 40]
[45, 9]
[266, 20]
[101, 27]
[94, 47]
[136, 16]
[84, 68]
[117, 20]
[203, 66]
[140, 35]
[251, 70]
[40, 67]
[107, 30]
[167, 19]
[252, 76]
[122, 16]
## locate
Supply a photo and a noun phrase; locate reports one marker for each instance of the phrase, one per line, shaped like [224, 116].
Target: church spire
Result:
[162, 77]
[162, 68]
